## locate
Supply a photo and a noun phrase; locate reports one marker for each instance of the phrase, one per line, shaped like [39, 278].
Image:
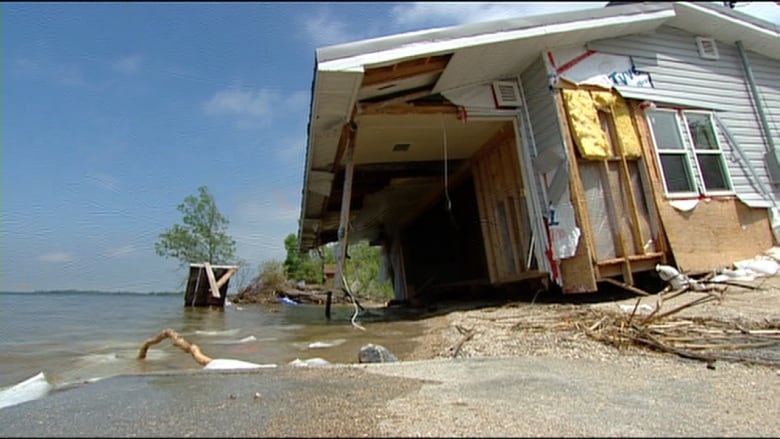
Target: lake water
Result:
[73, 337]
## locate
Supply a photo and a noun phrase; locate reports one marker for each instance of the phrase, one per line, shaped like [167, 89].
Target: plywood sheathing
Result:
[716, 233]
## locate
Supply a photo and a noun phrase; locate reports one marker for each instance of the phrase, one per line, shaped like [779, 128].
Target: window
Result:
[689, 153]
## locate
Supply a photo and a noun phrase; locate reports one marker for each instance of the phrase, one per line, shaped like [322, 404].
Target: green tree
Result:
[361, 270]
[202, 237]
[301, 266]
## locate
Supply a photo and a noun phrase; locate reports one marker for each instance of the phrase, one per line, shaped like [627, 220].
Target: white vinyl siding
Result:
[671, 57]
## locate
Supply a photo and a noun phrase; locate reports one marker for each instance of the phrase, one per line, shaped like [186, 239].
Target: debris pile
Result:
[697, 338]
[691, 318]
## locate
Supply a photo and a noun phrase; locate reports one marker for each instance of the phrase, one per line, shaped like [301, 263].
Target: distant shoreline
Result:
[95, 292]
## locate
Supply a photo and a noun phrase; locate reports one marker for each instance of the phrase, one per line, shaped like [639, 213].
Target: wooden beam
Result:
[405, 69]
[346, 198]
[414, 109]
[225, 277]
[377, 106]
[652, 174]
[212, 281]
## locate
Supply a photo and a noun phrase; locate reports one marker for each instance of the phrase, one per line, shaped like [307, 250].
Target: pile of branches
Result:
[697, 338]
[664, 330]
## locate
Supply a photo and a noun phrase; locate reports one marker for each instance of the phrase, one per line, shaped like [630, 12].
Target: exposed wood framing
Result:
[578, 272]
[405, 108]
[632, 228]
[405, 69]
[653, 176]
[625, 178]
[499, 192]
[375, 107]
[615, 210]
[486, 220]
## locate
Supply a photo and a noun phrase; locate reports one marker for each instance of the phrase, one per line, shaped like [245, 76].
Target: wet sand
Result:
[471, 397]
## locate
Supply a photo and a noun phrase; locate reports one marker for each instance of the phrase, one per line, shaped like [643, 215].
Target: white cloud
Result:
[56, 257]
[127, 65]
[324, 30]
[446, 14]
[261, 104]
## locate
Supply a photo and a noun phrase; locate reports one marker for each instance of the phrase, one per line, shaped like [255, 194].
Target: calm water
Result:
[74, 337]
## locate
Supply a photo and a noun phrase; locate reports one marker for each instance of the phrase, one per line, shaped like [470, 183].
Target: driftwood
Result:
[467, 335]
[177, 341]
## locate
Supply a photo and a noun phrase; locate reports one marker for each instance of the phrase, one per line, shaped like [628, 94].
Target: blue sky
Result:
[112, 113]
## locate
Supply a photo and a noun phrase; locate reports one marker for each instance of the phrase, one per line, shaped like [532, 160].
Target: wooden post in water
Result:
[327, 304]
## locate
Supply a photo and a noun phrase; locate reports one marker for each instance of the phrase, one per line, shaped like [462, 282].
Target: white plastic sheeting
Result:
[28, 390]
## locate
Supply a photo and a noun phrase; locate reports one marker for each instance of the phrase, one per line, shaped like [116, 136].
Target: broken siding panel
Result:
[544, 118]
[672, 58]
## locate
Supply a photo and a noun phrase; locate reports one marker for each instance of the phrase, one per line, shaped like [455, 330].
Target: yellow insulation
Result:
[629, 141]
[582, 108]
[604, 100]
[584, 121]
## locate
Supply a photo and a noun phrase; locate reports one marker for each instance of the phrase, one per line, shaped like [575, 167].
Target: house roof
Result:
[395, 70]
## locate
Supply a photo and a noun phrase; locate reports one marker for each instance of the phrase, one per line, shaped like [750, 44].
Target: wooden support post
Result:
[346, 198]
[327, 304]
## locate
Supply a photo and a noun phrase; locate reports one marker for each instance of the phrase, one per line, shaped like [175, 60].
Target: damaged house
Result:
[573, 148]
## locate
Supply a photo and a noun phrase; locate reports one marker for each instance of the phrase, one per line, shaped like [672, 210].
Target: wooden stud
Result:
[617, 214]
[654, 177]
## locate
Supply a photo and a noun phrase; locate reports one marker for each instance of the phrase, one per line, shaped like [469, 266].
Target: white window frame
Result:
[690, 155]
[715, 152]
